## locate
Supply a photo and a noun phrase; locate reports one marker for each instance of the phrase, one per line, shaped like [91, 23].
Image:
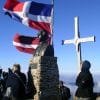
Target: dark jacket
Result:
[22, 77]
[17, 86]
[1, 87]
[65, 93]
[85, 83]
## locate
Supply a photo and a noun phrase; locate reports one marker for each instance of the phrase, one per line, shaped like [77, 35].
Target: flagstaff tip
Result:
[62, 42]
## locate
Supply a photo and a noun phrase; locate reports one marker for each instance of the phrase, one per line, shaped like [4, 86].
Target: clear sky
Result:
[64, 13]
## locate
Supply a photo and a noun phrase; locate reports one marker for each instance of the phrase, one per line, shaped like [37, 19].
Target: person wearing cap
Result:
[85, 83]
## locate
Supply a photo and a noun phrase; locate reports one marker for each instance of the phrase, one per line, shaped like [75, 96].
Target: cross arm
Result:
[88, 39]
[67, 41]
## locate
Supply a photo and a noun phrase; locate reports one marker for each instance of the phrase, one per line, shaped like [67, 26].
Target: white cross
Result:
[77, 41]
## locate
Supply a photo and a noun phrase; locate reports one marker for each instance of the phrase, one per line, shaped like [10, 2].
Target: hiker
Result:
[15, 88]
[85, 83]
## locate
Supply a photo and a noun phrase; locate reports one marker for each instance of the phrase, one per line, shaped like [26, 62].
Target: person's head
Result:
[61, 83]
[85, 66]
[43, 36]
[16, 68]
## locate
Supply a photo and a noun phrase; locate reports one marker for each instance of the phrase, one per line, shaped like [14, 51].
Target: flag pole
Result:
[52, 22]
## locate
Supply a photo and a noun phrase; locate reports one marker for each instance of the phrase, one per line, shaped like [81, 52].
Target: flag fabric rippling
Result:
[26, 44]
[30, 13]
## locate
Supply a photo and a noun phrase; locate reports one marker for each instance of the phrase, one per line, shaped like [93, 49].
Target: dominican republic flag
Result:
[26, 44]
[30, 13]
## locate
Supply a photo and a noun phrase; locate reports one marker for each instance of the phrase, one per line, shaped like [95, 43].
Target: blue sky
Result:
[64, 13]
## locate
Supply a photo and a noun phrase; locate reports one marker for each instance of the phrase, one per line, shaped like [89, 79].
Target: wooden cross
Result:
[77, 41]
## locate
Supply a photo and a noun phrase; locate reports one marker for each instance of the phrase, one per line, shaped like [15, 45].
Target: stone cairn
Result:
[45, 78]
[44, 70]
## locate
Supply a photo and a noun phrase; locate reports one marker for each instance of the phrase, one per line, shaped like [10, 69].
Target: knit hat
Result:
[86, 65]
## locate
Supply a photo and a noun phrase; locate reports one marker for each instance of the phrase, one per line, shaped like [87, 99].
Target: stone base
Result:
[45, 75]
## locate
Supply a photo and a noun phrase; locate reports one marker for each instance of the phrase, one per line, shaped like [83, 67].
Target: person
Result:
[17, 70]
[85, 83]
[1, 83]
[64, 92]
[43, 36]
[22, 78]
[44, 48]
[15, 88]
[30, 88]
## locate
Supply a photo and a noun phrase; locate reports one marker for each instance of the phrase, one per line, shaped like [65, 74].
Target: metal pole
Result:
[52, 23]
[78, 45]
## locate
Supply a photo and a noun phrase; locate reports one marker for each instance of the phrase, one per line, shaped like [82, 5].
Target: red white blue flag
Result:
[30, 13]
[25, 44]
